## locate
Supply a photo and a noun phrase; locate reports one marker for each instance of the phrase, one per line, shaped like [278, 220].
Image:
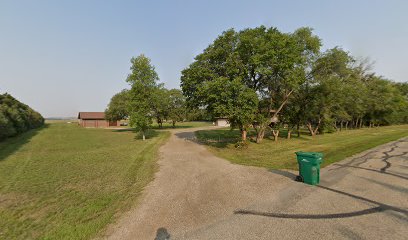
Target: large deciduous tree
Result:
[233, 100]
[160, 104]
[143, 80]
[270, 63]
[177, 106]
[118, 107]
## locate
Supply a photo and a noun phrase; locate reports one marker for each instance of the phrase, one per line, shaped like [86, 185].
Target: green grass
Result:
[67, 182]
[281, 154]
[192, 124]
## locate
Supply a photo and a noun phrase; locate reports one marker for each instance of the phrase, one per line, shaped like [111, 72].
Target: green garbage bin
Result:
[309, 166]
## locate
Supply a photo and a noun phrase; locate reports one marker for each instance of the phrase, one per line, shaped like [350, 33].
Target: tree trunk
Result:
[282, 105]
[361, 122]
[309, 126]
[335, 126]
[174, 124]
[298, 129]
[260, 131]
[260, 135]
[275, 134]
[289, 134]
[243, 135]
[312, 131]
[347, 125]
[341, 126]
[144, 137]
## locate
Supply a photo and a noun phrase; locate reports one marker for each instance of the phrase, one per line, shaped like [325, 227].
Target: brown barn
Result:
[95, 120]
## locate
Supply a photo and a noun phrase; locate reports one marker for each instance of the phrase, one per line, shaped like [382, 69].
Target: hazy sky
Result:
[61, 58]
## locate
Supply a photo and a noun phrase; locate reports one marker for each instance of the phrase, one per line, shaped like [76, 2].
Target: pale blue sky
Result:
[64, 57]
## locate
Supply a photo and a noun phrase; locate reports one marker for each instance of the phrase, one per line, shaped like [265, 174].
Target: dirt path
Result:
[193, 188]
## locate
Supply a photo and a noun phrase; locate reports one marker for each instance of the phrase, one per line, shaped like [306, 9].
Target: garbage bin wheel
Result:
[299, 179]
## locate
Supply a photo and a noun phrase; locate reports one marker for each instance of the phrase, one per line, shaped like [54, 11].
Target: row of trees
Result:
[256, 76]
[147, 99]
[16, 117]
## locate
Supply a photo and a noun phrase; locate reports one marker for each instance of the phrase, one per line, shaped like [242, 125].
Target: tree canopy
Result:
[269, 63]
[259, 75]
[143, 80]
[118, 107]
[147, 99]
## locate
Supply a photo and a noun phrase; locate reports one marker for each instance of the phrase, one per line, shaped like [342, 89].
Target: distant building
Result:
[222, 122]
[95, 120]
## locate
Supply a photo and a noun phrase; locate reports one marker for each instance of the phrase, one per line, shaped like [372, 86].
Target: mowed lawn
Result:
[67, 182]
[281, 154]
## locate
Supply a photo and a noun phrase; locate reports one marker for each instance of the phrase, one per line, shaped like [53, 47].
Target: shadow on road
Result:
[186, 136]
[354, 163]
[162, 234]
[284, 173]
[373, 170]
[380, 208]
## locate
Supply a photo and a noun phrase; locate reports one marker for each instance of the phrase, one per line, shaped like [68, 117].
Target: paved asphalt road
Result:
[196, 195]
[364, 197]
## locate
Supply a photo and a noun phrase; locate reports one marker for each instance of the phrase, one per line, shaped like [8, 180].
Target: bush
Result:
[16, 117]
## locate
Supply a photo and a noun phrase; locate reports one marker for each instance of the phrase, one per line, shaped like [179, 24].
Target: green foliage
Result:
[293, 80]
[160, 104]
[340, 93]
[118, 107]
[16, 117]
[147, 100]
[270, 63]
[231, 99]
[177, 106]
[143, 93]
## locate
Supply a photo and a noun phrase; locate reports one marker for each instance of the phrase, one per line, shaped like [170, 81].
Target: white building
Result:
[222, 122]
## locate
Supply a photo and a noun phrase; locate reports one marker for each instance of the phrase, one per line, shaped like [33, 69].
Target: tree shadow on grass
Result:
[148, 134]
[125, 130]
[219, 138]
[13, 144]
[192, 124]
[151, 133]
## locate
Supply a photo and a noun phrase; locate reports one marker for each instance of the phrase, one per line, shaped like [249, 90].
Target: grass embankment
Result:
[67, 182]
[281, 154]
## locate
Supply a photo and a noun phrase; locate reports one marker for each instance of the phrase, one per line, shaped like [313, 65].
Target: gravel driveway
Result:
[196, 195]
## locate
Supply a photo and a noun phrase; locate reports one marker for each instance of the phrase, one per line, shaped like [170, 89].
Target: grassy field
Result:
[281, 154]
[67, 182]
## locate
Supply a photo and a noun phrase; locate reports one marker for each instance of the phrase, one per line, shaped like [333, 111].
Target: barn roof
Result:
[91, 115]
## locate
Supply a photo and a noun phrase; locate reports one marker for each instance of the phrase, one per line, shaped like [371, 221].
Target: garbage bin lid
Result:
[310, 154]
